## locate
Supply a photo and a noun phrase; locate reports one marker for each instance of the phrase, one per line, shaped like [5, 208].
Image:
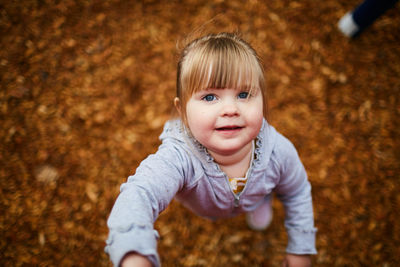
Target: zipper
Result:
[236, 200]
[237, 196]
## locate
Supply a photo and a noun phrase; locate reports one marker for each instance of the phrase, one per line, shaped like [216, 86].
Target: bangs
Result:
[222, 65]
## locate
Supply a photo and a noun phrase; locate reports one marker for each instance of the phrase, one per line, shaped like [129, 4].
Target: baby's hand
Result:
[292, 260]
[135, 260]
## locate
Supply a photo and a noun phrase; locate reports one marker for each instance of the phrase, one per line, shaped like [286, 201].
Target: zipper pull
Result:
[236, 201]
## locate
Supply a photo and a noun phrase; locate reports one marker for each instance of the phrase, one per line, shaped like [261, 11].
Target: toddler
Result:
[219, 159]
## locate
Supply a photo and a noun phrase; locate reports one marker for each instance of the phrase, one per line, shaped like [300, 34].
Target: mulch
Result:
[87, 85]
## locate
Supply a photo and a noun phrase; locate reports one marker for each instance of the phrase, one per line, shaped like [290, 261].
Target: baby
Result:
[219, 159]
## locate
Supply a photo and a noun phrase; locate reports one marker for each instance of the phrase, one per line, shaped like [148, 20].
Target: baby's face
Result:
[225, 120]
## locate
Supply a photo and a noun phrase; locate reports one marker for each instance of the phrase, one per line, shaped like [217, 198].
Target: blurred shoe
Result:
[355, 21]
[347, 25]
[260, 218]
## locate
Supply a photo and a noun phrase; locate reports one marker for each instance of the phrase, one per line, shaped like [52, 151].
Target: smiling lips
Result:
[229, 128]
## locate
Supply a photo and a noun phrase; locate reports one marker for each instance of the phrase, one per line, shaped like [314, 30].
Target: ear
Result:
[177, 104]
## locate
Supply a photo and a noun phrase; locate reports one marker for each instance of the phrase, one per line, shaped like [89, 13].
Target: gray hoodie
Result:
[183, 169]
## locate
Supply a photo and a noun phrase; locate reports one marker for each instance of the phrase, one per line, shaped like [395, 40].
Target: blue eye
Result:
[243, 95]
[209, 98]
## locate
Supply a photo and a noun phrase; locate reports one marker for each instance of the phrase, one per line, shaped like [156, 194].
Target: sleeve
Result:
[141, 199]
[294, 190]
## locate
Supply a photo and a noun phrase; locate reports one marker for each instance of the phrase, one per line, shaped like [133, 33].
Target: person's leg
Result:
[355, 21]
[260, 218]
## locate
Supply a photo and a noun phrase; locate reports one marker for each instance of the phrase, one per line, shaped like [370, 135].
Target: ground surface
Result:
[87, 85]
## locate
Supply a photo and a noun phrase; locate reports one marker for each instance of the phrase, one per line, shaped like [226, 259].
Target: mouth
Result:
[229, 128]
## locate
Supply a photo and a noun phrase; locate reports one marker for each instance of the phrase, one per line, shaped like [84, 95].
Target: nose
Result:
[229, 109]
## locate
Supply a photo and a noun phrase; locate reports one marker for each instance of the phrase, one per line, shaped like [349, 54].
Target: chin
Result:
[227, 150]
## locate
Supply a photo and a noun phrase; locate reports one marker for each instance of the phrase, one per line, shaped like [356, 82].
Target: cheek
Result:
[197, 129]
[255, 115]
[201, 124]
[192, 116]
[256, 110]
[198, 114]
[194, 121]
[199, 121]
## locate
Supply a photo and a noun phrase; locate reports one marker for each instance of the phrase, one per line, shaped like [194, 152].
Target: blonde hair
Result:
[221, 60]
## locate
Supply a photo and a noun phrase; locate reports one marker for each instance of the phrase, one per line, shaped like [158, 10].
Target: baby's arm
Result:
[142, 198]
[294, 190]
[292, 260]
[135, 260]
